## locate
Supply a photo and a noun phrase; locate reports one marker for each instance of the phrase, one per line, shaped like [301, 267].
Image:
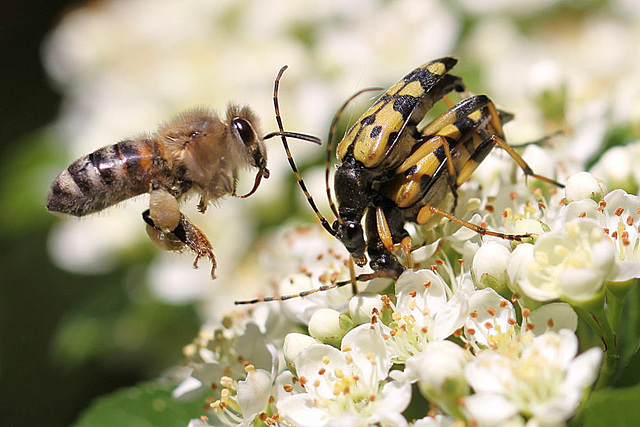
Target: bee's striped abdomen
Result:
[105, 177]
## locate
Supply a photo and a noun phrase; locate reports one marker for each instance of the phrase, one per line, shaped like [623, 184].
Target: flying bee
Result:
[196, 152]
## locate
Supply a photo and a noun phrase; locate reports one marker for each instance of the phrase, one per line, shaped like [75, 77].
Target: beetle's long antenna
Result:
[283, 135]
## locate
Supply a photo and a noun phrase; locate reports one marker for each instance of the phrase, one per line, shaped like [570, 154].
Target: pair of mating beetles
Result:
[391, 170]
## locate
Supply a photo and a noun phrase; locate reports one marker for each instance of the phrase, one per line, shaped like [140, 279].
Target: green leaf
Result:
[630, 374]
[612, 407]
[145, 405]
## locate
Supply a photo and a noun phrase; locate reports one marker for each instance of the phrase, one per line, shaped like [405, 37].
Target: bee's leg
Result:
[196, 241]
[164, 209]
[166, 241]
[169, 229]
[162, 217]
[186, 234]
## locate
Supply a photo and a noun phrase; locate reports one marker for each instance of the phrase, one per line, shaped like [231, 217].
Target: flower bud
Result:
[329, 326]
[583, 185]
[362, 305]
[293, 344]
[489, 267]
[440, 369]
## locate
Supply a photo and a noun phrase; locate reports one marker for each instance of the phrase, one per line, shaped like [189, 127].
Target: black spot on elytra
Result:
[421, 75]
[376, 131]
[369, 120]
[405, 104]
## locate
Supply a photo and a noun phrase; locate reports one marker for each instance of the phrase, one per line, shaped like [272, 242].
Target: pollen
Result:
[559, 250]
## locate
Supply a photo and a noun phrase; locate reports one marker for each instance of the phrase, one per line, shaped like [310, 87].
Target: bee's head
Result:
[244, 131]
[244, 128]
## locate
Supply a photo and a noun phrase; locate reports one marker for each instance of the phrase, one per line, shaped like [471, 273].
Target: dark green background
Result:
[40, 383]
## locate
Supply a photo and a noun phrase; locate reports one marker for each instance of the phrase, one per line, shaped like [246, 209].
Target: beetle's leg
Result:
[498, 139]
[427, 211]
[386, 234]
[380, 240]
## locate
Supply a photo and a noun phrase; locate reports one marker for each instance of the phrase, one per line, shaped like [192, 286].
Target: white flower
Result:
[426, 310]
[435, 421]
[439, 372]
[621, 214]
[618, 166]
[239, 368]
[618, 213]
[545, 381]
[254, 394]
[572, 262]
[554, 316]
[491, 318]
[347, 386]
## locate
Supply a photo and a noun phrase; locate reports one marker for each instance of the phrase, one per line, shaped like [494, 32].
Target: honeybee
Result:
[195, 152]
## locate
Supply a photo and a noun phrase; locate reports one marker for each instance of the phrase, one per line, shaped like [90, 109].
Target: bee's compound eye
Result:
[245, 130]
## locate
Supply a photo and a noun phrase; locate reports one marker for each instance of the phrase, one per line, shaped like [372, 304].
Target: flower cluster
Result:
[491, 342]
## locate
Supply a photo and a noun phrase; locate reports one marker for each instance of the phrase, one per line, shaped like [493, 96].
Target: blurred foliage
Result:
[613, 407]
[148, 404]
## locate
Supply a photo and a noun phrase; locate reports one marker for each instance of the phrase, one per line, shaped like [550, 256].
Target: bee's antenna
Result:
[283, 135]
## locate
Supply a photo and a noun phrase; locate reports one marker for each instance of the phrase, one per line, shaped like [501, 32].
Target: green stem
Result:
[615, 305]
[611, 355]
